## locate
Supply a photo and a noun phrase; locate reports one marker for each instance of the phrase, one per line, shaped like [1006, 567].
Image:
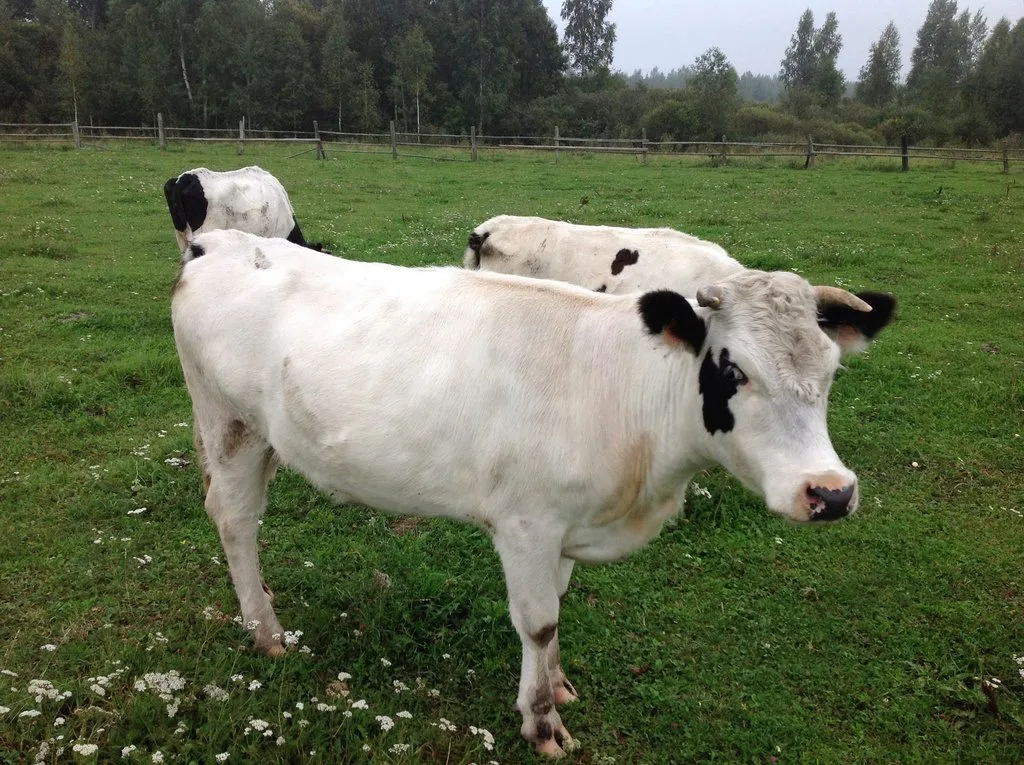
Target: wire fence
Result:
[468, 146]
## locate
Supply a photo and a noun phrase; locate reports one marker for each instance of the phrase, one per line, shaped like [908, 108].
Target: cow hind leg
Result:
[240, 465]
[562, 690]
[531, 575]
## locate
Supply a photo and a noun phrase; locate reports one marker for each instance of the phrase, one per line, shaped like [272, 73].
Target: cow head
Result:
[767, 346]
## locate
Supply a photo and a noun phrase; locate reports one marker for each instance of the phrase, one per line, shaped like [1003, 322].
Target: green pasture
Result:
[733, 637]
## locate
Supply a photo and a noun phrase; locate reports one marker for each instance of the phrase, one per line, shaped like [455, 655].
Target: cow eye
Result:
[734, 374]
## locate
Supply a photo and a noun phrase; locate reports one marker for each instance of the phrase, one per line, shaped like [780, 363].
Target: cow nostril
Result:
[829, 504]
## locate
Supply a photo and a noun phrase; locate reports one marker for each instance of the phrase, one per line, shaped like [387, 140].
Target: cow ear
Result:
[670, 315]
[853, 329]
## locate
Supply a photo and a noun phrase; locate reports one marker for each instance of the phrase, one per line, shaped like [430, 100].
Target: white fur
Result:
[583, 255]
[543, 412]
[248, 199]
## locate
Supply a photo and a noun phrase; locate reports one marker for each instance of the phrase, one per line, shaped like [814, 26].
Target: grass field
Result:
[733, 637]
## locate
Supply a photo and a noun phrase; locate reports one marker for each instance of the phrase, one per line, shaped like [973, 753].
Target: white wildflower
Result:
[255, 685]
[299, 705]
[257, 724]
[138, 511]
[361, 704]
[59, 721]
[222, 757]
[48, 647]
[399, 686]
[386, 723]
[8, 672]
[308, 564]
[343, 676]
[30, 713]
[4, 710]
[237, 678]
[126, 752]
[215, 692]
[446, 656]
[292, 637]
[158, 756]
[286, 715]
[486, 734]
[98, 689]
[399, 748]
[385, 662]
[321, 707]
[366, 747]
[252, 624]
[280, 741]
[85, 750]
[445, 724]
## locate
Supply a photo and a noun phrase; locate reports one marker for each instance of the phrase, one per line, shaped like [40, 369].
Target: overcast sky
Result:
[754, 34]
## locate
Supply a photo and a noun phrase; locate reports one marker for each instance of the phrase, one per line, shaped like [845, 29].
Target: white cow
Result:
[563, 422]
[602, 258]
[249, 199]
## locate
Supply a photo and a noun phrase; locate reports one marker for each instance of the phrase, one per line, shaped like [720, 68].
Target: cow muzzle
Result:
[828, 498]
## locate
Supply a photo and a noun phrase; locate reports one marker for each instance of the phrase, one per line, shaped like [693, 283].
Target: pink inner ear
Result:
[850, 339]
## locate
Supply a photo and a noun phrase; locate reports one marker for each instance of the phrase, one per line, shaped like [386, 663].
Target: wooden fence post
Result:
[643, 143]
[1006, 157]
[76, 135]
[241, 136]
[809, 162]
[556, 144]
[723, 156]
[162, 140]
[319, 144]
[905, 153]
[394, 142]
[472, 142]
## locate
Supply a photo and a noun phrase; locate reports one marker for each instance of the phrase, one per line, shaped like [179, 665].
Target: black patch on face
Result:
[717, 386]
[295, 235]
[602, 288]
[883, 305]
[665, 310]
[476, 241]
[196, 250]
[624, 258]
[174, 205]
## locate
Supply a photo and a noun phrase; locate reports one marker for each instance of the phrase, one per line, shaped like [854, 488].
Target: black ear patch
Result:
[624, 258]
[870, 323]
[717, 387]
[186, 201]
[476, 243]
[602, 288]
[668, 311]
[295, 235]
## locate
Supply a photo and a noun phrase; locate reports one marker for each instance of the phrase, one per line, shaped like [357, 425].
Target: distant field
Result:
[733, 637]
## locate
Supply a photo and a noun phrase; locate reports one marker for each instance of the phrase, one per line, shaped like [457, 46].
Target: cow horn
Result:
[710, 297]
[835, 295]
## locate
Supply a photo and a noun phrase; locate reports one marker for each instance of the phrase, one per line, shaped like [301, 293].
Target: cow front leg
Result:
[531, 566]
[562, 690]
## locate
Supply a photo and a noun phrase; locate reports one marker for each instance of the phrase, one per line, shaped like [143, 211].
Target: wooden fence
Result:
[467, 146]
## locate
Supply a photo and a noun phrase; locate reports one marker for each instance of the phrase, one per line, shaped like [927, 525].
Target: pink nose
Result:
[826, 504]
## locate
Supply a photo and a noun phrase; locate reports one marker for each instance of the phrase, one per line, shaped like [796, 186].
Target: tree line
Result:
[498, 65]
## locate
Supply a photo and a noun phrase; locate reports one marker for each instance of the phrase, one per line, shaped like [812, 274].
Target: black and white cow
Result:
[565, 423]
[249, 199]
[609, 259]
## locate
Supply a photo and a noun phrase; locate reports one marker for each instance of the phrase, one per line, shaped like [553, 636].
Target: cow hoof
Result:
[564, 693]
[550, 749]
[274, 651]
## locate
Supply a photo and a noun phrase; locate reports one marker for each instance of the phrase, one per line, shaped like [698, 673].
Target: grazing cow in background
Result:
[249, 199]
[601, 258]
[563, 422]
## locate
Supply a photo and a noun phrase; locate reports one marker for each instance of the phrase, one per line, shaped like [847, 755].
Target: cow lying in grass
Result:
[249, 199]
[563, 422]
[601, 258]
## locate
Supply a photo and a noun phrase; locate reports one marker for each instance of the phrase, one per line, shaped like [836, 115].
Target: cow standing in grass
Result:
[565, 423]
[249, 199]
[601, 258]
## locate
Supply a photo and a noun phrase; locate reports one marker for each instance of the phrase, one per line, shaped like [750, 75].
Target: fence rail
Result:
[393, 141]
